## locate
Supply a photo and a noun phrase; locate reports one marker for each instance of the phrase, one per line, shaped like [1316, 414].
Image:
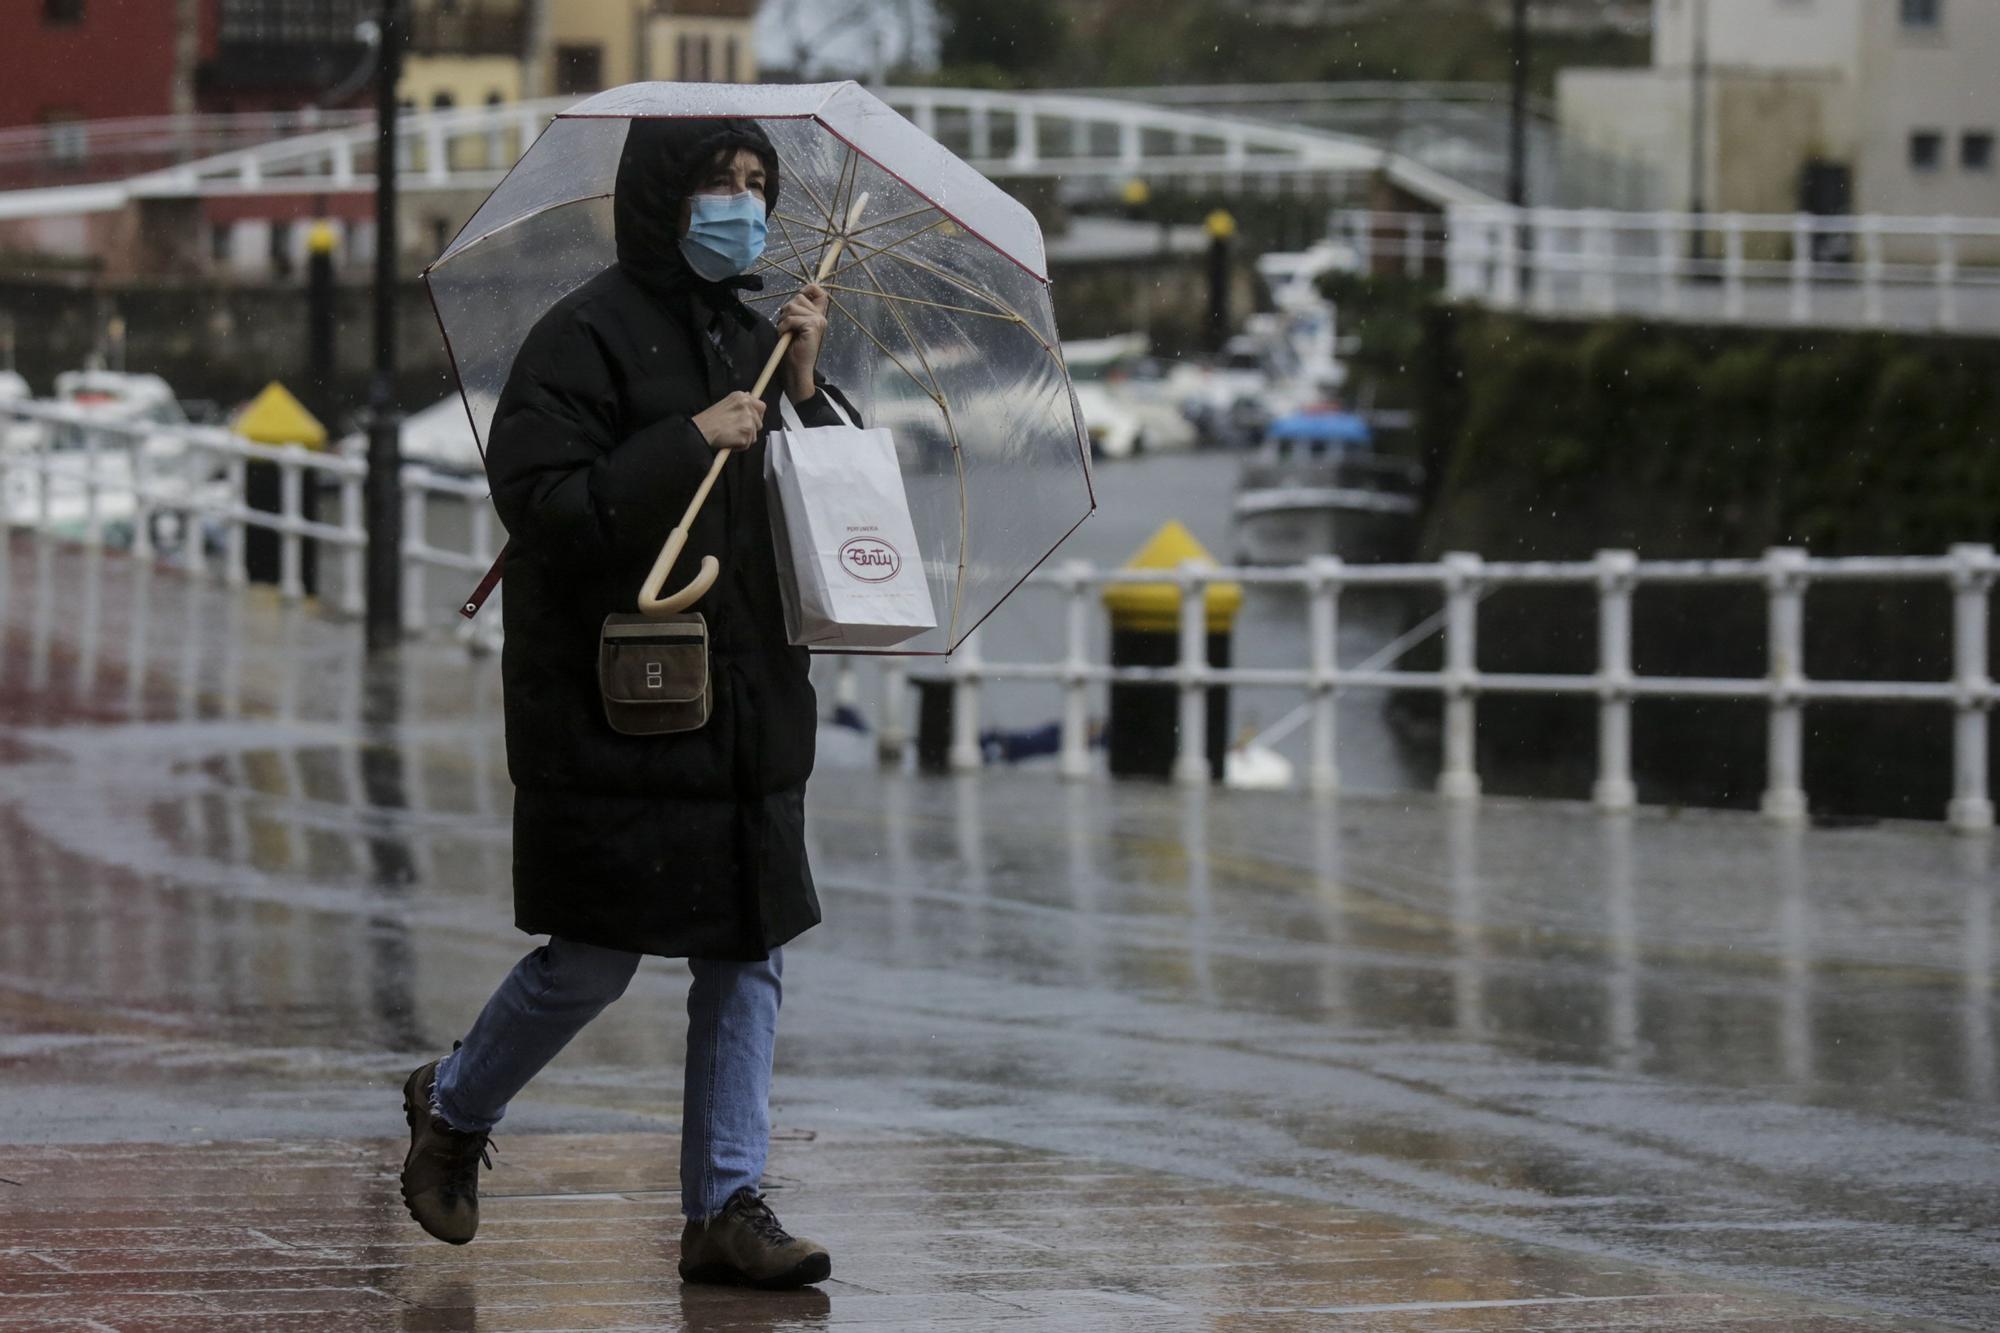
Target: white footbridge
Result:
[1067, 136]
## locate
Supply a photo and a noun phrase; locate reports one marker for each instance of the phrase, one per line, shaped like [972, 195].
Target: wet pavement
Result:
[1063, 1056]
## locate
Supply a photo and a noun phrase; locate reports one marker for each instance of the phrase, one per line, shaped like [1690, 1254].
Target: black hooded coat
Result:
[687, 845]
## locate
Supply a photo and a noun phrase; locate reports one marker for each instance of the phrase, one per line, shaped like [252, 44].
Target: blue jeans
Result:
[554, 991]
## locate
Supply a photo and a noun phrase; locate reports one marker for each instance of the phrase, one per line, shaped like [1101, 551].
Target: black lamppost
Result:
[1517, 131]
[384, 498]
[1698, 130]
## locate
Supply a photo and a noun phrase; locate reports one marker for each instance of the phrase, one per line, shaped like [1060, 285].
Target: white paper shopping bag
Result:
[848, 564]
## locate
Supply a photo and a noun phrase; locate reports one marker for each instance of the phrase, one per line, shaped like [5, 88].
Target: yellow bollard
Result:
[1146, 719]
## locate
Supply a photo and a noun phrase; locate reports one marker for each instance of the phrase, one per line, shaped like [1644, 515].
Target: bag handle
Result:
[790, 413]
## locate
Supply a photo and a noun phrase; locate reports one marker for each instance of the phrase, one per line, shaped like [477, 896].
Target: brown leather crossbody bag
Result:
[654, 674]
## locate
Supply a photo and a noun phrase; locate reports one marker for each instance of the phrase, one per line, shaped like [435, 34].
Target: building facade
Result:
[1772, 106]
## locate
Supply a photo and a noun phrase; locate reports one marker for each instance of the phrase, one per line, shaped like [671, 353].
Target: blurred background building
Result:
[172, 81]
[1824, 106]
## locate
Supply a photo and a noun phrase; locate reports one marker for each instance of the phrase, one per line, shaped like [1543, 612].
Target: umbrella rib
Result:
[859, 231]
[918, 300]
[804, 273]
[818, 203]
[957, 449]
[930, 391]
[956, 281]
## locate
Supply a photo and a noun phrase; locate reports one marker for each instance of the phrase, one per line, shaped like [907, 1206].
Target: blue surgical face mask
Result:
[725, 234]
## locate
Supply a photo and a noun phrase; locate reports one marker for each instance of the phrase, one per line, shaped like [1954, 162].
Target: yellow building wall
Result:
[636, 44]
[663, 48]
[470, 80]
[610, 25]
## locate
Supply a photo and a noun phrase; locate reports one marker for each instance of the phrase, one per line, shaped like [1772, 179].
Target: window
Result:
[62, 13]
[579, 69]
[683, 59]
[1975, 150]
[1923, 14]
[221, 242]
[443, 102]
[69, 138]
[729, 60]
[1926, 150]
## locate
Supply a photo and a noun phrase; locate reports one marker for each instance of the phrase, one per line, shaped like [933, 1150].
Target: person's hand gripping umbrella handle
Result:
[651, 603]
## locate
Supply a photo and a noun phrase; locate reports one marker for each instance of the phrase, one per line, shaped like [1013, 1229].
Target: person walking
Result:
[688, 845]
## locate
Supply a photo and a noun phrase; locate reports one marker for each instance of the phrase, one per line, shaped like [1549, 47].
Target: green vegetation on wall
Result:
[1553, 440]
[1689, 440]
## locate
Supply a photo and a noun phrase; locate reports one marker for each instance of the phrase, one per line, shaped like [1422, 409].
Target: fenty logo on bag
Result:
[870, 559]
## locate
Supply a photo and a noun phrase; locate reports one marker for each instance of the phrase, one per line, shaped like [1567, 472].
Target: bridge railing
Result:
[1463, 581]
[179, 493]
[1807, 270]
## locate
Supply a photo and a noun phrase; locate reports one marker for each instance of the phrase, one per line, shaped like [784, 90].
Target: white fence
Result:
[1806, 270]
[1785, 574]
[178, 492]
[64, 472]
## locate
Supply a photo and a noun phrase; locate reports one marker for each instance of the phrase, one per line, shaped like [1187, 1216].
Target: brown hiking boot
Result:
[441, 1171]
[743, 1246]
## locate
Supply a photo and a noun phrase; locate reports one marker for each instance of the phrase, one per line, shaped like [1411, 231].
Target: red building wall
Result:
[119, 61]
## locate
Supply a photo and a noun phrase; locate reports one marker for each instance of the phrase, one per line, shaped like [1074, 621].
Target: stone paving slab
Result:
[581, 1232]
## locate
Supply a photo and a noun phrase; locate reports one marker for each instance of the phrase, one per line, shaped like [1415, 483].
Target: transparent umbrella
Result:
[941, 326]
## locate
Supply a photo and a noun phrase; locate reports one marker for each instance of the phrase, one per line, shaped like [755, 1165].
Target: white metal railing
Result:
[1810, 270]
[1969, 571]
[66, 472]
[177, 492]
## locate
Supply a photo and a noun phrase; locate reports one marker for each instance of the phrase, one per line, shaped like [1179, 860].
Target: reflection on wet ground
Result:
[253, 877]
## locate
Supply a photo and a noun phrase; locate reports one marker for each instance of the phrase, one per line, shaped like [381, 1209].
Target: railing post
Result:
[1459, 777]
[234, 572]
[1506, 286]
[142, 507]
[1191, 751]
[44, 449]
[1462, 258]
[1871, 268]
[1323, 588]
[1732, 267]
[1670, 242]
[1027, 141]
[194, 537]
[354, 533]
[290, 511]
[415, 498]
[1601, 261]
[1537, 251]
[1616, 576]
[93, 523]
[1784, 785]
[966, 756]
[892, 736]
[1801, 269]
[1972, 577]
[1075, 761]
[1947, 273]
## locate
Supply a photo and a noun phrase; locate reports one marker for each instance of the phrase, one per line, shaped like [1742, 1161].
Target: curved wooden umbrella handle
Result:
[650, 602]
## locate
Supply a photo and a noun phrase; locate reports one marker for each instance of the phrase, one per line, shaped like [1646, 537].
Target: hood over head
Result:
[663, 163]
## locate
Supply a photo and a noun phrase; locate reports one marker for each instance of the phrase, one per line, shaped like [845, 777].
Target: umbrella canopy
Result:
[941, 326]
